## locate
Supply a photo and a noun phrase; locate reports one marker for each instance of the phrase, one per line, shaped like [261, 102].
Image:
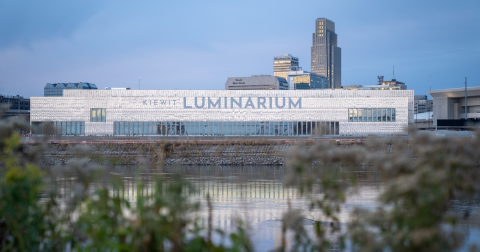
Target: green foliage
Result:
[19, 210]
[422, 178]
[36, 216]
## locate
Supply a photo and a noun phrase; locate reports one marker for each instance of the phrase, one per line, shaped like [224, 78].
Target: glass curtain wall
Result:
[74, 128]
[218, 128]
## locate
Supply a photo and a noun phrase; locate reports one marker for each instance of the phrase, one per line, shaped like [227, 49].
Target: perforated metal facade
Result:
[225, 112]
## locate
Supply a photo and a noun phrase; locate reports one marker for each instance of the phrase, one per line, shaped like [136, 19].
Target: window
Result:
[372, 115]
[98, 115]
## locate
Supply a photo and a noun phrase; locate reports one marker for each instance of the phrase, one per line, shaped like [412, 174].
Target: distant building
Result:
[391, 85]
[56, 89]
[422, 104]
[450, 103]
[354, 87]
[283, 64]
[117, 88]
[326, 56]
[256, 82]
[299, 79]
[18, 106]
[381, 85]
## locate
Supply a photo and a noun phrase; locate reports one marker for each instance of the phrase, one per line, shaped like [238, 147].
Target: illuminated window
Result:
[98, 115]
[369, 115]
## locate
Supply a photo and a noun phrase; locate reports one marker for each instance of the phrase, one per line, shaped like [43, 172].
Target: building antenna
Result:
[465, 98]
[138, 83]
[430, 77]
[393, 72]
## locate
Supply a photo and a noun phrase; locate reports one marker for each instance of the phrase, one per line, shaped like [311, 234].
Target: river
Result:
[257, 195]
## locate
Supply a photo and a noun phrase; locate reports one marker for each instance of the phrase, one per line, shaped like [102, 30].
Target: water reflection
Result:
[257, 195]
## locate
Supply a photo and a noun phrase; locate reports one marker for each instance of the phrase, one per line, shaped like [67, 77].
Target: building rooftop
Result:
[79, 85]
[455, 92]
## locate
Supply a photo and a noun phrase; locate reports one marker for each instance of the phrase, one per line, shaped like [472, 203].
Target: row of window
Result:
[226, 128]
[98, 115]
[60, 128]
[372, 115]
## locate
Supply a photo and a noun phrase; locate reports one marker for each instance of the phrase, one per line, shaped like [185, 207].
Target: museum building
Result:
[224, 112]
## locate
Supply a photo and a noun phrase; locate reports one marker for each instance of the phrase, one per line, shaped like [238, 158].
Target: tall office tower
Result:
[326, 56]
[283, 64]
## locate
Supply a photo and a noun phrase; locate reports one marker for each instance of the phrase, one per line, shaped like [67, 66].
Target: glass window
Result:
[350, 115]
[135, 128]
[75, 128]
[82, 128]
[228, 128]
[384, 115]
[389, 115]
[97, 115]
[369, 114]
[115, 128]
[360, 115]
[68, 128]
[186, 126]
[393, 115]
[365, 115]
[210, 128]
[374, 114]
[103, 115]
[201, 128]
[93, 115]
[171, 128]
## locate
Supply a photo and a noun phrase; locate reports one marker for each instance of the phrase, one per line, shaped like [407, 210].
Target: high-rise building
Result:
[326, 55]
[283, 64]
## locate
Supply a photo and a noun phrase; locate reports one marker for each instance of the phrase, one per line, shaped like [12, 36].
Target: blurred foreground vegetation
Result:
[423, 178]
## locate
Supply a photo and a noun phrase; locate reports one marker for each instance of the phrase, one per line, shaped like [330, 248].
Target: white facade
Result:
[224, 112]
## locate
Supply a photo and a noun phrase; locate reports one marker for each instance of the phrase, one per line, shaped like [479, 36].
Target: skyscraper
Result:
[326, 56]
[283, 64]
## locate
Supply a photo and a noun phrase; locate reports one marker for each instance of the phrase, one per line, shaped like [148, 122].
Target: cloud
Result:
[197, 45]
[22, 22]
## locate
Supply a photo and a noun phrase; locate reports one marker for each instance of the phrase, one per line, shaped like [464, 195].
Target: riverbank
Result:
[238, 152]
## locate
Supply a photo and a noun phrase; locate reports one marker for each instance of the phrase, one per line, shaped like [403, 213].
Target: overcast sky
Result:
[199, 44]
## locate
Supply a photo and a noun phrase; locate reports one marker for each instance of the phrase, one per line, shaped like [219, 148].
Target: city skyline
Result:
[113, 44]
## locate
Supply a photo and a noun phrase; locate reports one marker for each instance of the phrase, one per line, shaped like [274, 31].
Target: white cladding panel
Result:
[222, 105]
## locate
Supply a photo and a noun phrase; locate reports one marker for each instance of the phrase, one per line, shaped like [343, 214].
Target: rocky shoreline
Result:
[171, 153]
